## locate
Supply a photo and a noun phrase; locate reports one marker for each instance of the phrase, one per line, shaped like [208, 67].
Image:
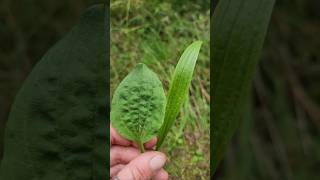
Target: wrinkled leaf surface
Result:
[57, 129]
[138, 105]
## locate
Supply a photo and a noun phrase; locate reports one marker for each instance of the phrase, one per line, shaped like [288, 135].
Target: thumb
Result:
[143, 167]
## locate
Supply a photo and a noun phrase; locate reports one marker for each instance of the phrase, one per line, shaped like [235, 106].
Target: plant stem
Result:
[141, 146]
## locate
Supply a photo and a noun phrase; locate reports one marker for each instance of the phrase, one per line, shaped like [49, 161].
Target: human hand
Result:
[127, 163]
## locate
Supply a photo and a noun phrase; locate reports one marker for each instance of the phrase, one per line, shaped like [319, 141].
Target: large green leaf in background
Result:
[238, 29]
[57, 128]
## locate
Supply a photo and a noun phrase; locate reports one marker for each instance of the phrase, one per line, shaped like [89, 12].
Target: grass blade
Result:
[179, 88]
[238, 29]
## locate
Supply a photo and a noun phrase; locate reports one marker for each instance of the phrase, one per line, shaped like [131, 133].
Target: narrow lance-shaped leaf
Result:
[179, 88]
[138, 105]
[238, 30]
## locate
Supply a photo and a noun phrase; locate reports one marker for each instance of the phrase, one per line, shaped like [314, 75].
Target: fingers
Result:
[151, 143]
[161, 175]
[115, 169]
[122, 155]
[144, 166]
[148, 145]
[116, 139]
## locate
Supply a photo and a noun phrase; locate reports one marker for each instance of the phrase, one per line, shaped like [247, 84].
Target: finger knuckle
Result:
[139, 173]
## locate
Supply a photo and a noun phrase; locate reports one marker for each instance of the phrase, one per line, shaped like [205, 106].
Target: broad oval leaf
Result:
[57, 128]
[138, 105]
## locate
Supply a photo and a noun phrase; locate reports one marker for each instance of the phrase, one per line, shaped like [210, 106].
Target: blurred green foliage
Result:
[279, 134]
[28, 28]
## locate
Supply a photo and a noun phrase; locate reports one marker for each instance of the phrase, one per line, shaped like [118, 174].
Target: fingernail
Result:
[157, 162]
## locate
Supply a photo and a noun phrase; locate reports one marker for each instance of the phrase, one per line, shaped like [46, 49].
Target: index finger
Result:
[116, 139]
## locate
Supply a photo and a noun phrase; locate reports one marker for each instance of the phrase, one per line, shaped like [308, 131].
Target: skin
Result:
[126, 161]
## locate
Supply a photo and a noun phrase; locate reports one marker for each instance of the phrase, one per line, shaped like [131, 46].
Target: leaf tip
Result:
[197, 43]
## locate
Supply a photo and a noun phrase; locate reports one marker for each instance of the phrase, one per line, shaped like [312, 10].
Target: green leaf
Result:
[179, 87]
[238, 29]
[138, 105]
[57, 128]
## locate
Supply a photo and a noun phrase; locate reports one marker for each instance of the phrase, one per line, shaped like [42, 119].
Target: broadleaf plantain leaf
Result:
[138, 105]
[57, 128]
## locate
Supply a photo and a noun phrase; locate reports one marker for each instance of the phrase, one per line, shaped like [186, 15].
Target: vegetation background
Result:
[28, 28]
[279, 135]
[156, 33]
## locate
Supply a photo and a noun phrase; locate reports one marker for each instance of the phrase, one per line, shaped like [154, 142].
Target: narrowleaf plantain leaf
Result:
[179, 87]
[138, 105]
[57, 128]
[238, 29]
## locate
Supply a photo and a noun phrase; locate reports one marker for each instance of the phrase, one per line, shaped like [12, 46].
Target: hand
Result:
[127, 163]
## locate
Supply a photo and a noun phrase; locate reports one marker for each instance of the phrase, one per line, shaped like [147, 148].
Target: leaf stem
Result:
[141, 147]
